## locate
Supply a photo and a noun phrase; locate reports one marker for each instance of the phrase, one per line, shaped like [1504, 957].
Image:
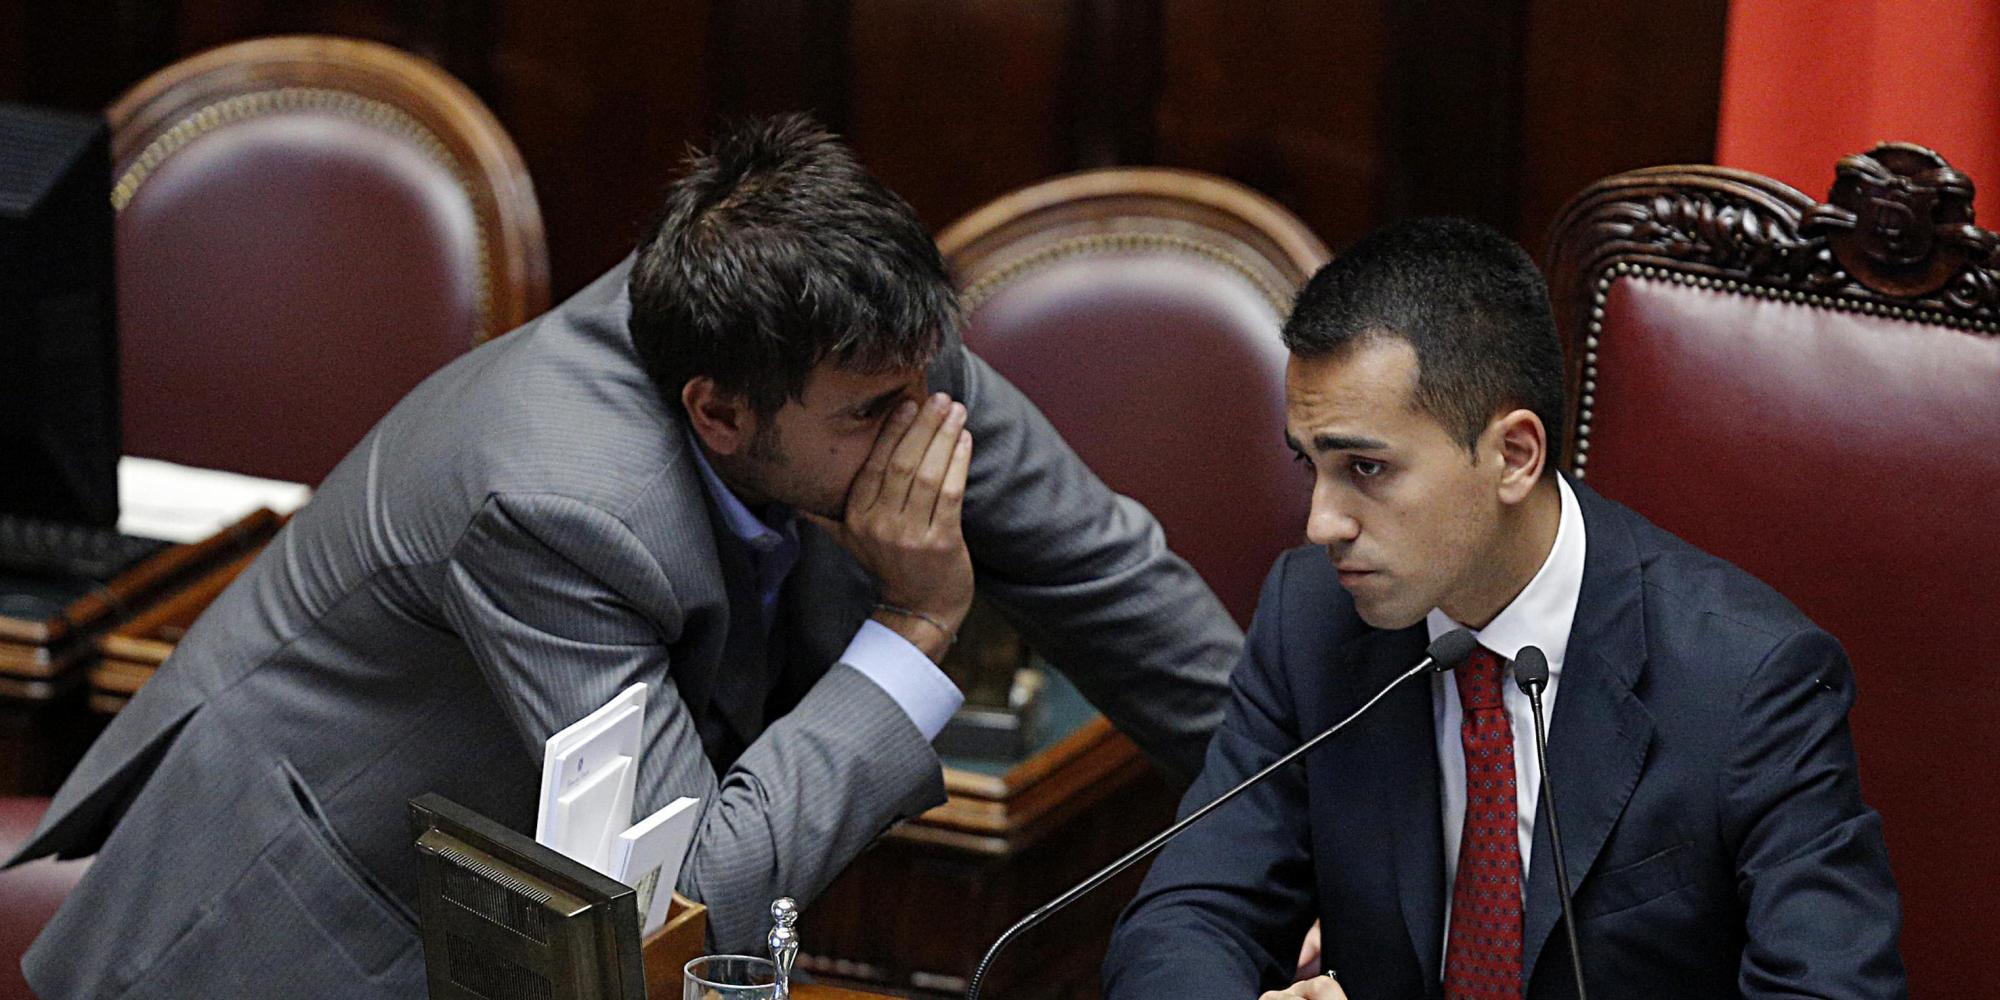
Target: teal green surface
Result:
[1063, 712]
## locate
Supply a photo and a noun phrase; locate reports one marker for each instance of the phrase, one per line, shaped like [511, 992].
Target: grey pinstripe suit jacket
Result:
[522, 537]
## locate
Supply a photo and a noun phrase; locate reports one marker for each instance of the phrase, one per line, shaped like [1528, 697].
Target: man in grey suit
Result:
[604, 497]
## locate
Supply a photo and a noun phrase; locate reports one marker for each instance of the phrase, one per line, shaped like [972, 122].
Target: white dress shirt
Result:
[896, 666]
[1541, 615]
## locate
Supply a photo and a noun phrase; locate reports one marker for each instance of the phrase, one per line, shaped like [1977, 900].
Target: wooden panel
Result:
[955, 104]
[1610, 87]
[667, 952]
[1348, 112]
[602, 96]
[14, 49]
[452, 34]
[814, 991]
[120, 678]
[1118, 66]
[1453, 97]
[77, 54]
[149, 638]
[770, 56]
[1287, 98]
[157, 575]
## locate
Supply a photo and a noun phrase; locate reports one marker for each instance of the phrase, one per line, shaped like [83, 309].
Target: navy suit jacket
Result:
[1717, 841]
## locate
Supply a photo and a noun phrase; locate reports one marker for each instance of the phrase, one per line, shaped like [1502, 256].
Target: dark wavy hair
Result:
[1468, 299]
[776, 251]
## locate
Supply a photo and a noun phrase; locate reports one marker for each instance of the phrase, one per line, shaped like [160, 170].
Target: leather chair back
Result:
[1140, 310]
[1812, 391]
[306, 228]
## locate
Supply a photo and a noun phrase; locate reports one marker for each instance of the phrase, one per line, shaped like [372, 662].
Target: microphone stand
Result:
[1442, 657]
[1531, 672]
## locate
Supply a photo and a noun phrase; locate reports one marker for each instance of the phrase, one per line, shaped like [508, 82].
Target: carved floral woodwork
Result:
[1896, 235]
[1894, 238]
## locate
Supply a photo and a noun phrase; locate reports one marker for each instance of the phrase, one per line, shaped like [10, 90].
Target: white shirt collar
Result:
[1542, 614]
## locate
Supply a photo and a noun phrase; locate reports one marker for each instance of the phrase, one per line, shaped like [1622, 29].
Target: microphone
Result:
[1531, 672]
[1444, 653]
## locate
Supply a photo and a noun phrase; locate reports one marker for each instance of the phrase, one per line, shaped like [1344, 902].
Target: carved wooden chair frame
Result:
[1122, 210]
[371, 83]
[1895, 238]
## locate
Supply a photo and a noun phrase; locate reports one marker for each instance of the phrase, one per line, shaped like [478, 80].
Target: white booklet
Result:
[590, 772]
[588, 816]
[574, 757]
[648, 858]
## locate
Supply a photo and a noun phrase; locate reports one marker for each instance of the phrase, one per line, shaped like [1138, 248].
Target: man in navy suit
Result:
[1715, 834]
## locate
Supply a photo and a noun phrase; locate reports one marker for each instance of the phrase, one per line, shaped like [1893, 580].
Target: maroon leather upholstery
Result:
[281, 283]
[1843, 446]
[1167, 377]
[1140, 310]
[307, 228]
[1853, 463]
[29, 894]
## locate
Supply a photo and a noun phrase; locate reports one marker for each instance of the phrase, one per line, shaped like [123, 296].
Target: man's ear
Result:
[1523, 444]
[724, 421]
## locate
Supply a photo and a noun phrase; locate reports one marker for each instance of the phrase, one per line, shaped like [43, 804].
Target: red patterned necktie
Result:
[1483, 955]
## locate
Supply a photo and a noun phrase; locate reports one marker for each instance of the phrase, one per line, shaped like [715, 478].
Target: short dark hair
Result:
[1468, 299]
[776, 251]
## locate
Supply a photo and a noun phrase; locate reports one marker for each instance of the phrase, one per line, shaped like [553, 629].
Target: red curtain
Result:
[1806, 82]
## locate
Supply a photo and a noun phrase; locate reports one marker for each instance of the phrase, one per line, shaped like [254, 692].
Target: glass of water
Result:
[729, 977]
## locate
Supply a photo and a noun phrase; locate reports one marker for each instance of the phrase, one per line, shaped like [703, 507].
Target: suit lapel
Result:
[1600, 732]
[1404, 769]
[741, 678]
[691, 536]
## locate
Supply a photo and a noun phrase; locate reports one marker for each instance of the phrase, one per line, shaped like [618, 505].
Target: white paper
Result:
[587, 817]
[180, 503]
[573, 754]
[648, 858]
[614, 744]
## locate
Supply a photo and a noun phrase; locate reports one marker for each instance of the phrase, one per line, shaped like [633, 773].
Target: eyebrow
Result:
[1336, 442]
[879, 401]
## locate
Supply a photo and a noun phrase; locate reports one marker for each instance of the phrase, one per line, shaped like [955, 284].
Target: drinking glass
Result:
[729, 977]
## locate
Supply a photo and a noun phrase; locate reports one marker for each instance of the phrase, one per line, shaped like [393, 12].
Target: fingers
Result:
[951, 496]
[908, 456]
[929, 480]
[903, 511]
[1309, 953]
[868, 484]
[1316, 988]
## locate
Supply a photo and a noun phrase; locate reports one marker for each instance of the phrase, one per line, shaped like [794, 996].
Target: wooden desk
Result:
[672, 946]
[44, 661]
[128, 654]
[814, 991]
[916, 911]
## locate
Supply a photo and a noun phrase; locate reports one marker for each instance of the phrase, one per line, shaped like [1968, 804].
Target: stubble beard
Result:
[775, 481]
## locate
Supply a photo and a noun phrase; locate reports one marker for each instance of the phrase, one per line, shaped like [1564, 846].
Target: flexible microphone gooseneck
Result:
[1531, 672]
[1444, 653]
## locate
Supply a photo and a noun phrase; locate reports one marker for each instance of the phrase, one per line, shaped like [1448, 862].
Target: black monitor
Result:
[59, 440]
[504, 916]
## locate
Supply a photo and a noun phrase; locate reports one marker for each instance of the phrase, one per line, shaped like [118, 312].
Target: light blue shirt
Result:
[900, 669]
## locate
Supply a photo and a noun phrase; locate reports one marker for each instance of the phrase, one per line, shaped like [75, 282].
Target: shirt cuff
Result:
[909, 677]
